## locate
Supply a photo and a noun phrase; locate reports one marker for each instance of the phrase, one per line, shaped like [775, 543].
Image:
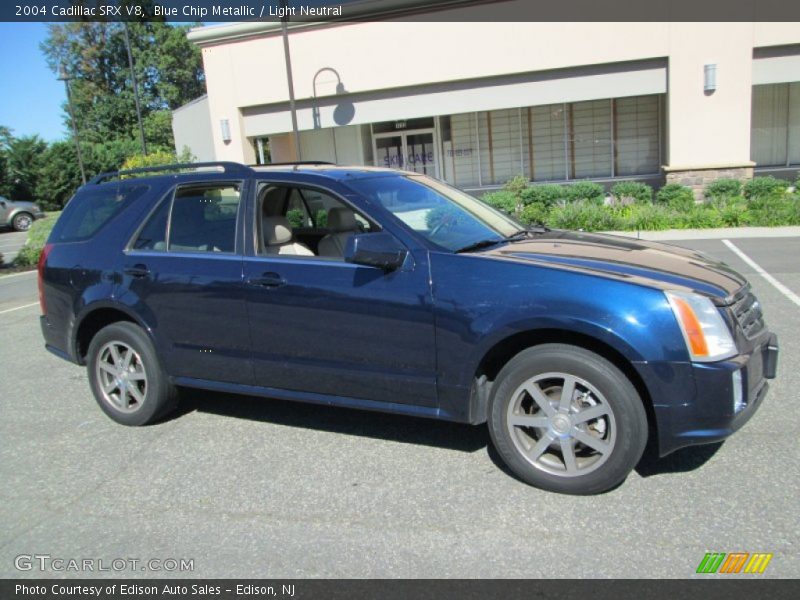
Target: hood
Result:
[651, 264]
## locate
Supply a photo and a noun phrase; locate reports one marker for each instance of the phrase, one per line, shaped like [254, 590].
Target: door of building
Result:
[413, 150]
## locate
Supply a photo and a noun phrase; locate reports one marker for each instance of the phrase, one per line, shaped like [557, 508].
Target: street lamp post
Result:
[292, 108]
[65, 78]
[135, 89]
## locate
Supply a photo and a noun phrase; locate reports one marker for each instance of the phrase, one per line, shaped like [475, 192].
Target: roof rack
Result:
[225, 166]
[296, 163]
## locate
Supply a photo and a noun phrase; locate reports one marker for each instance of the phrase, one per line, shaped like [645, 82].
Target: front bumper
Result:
[724, 397]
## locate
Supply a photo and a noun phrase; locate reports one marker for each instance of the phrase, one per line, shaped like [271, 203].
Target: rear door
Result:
[184, 267]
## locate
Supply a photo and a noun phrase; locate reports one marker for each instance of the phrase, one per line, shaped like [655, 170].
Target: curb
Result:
[711, 234]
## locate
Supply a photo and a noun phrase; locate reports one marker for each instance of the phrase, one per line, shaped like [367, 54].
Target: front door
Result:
[409, 150]
[319, 324]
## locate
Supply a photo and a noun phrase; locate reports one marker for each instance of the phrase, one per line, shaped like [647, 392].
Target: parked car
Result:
[392, 291]
[18, 214]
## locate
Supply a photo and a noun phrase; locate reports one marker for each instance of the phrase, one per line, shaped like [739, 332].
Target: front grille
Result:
[747, 312]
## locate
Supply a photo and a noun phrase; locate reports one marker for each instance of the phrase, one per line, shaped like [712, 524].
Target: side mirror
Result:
[380, 250]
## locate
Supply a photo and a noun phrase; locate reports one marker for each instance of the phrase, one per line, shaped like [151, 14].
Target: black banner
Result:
[301, 589]
[412, 10]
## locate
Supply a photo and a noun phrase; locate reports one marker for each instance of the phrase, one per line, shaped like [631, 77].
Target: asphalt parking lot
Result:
[257, 488]
[10, 243]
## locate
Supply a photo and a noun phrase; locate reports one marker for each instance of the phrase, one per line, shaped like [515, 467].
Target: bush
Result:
[761, 187]
[535, 213]
[732, 213]
[699, 217]
[676, 196]
[651, 217]
[775, 210]
[516, 185]
[585, 215]
[627, 192]
[723, 188]
[295, 218]
[28, 255]
[502, 200]
[586, 190]
[547, 194]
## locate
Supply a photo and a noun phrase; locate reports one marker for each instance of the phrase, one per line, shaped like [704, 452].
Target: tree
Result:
[59, 176]
[168, 71]
[24, 159]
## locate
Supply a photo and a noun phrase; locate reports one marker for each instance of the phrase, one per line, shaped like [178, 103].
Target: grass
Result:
[28, 256]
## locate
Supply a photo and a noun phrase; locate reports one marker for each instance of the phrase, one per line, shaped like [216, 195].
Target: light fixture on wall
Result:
[225, 128]
[709, 78]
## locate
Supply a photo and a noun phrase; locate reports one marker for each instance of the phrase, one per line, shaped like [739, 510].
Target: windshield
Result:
[445, 216]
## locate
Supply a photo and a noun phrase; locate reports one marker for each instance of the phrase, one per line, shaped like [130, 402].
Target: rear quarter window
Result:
[91, 209]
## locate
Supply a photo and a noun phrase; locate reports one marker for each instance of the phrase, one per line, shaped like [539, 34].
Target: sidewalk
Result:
[712, 234]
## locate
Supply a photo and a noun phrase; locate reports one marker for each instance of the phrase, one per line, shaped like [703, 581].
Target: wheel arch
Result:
[505, 349]
[94, 318]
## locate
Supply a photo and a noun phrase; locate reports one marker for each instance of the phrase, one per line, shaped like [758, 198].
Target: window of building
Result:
[555, 142]
[775, 135]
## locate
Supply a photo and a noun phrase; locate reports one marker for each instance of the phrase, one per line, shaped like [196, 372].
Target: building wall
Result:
[191, 126]
[399, 70]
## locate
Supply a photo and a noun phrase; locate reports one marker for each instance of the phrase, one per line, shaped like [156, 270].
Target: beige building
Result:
[476, 103]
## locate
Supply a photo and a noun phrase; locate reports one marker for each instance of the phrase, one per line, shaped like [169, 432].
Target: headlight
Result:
[704, 330]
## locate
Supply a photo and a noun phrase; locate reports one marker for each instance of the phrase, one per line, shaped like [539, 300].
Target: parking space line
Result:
[8, 310]
[10, 275]
[758, 269]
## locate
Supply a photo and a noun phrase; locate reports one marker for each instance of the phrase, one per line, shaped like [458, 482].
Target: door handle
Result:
[138, 270]
[267, 280]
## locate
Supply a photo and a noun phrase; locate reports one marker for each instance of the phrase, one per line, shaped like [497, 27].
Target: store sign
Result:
[413, 158]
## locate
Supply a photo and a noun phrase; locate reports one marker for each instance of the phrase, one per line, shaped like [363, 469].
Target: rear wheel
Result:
[126, 378]
[22, 221]
[567, 420]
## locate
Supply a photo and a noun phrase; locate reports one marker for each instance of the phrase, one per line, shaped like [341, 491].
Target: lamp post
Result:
[135, 89]
[292, 108]
[66, 78]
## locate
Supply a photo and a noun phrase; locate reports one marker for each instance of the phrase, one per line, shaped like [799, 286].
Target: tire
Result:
[587, 446]
[127, 380]
[22, 221]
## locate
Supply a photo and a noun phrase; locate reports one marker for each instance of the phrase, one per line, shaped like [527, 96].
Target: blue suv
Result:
[392, 291]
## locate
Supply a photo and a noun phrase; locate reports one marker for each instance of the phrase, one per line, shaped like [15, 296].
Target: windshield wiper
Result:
[480, 244]
[527, 233]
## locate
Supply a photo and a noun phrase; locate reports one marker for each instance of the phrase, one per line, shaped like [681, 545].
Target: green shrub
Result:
[699, 217]
[775, 210]
[651, 217]
[761, 187]
[502, 200]
[516, 185]
[321, 218]
[547, 194]
[676, 196]
[723, 188]
[585, 215]
[535, 213]
[732, 213]
[627, 192]
[295, 218]
[586, 190]
[28, 255]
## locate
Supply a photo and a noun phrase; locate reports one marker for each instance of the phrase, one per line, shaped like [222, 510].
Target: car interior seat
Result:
[278, 238]
[342, 223]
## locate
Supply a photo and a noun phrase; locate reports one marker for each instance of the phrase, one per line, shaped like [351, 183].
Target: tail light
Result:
[40, 268]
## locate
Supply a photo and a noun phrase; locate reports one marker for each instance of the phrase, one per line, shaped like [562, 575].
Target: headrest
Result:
[276, 230]
[341, 219]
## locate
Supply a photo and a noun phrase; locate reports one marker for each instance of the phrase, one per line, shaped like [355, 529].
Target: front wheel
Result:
[22, 222]
[126, 378]
[567, 420]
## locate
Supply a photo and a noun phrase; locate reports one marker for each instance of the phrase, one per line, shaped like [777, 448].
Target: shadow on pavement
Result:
[396, 428]
[680, 461]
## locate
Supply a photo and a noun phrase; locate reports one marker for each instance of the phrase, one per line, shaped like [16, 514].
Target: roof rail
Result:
[226, 166]
[296, 163]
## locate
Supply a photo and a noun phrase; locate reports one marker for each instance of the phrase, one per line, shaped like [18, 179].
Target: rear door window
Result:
[203, 218]
[91, 209]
